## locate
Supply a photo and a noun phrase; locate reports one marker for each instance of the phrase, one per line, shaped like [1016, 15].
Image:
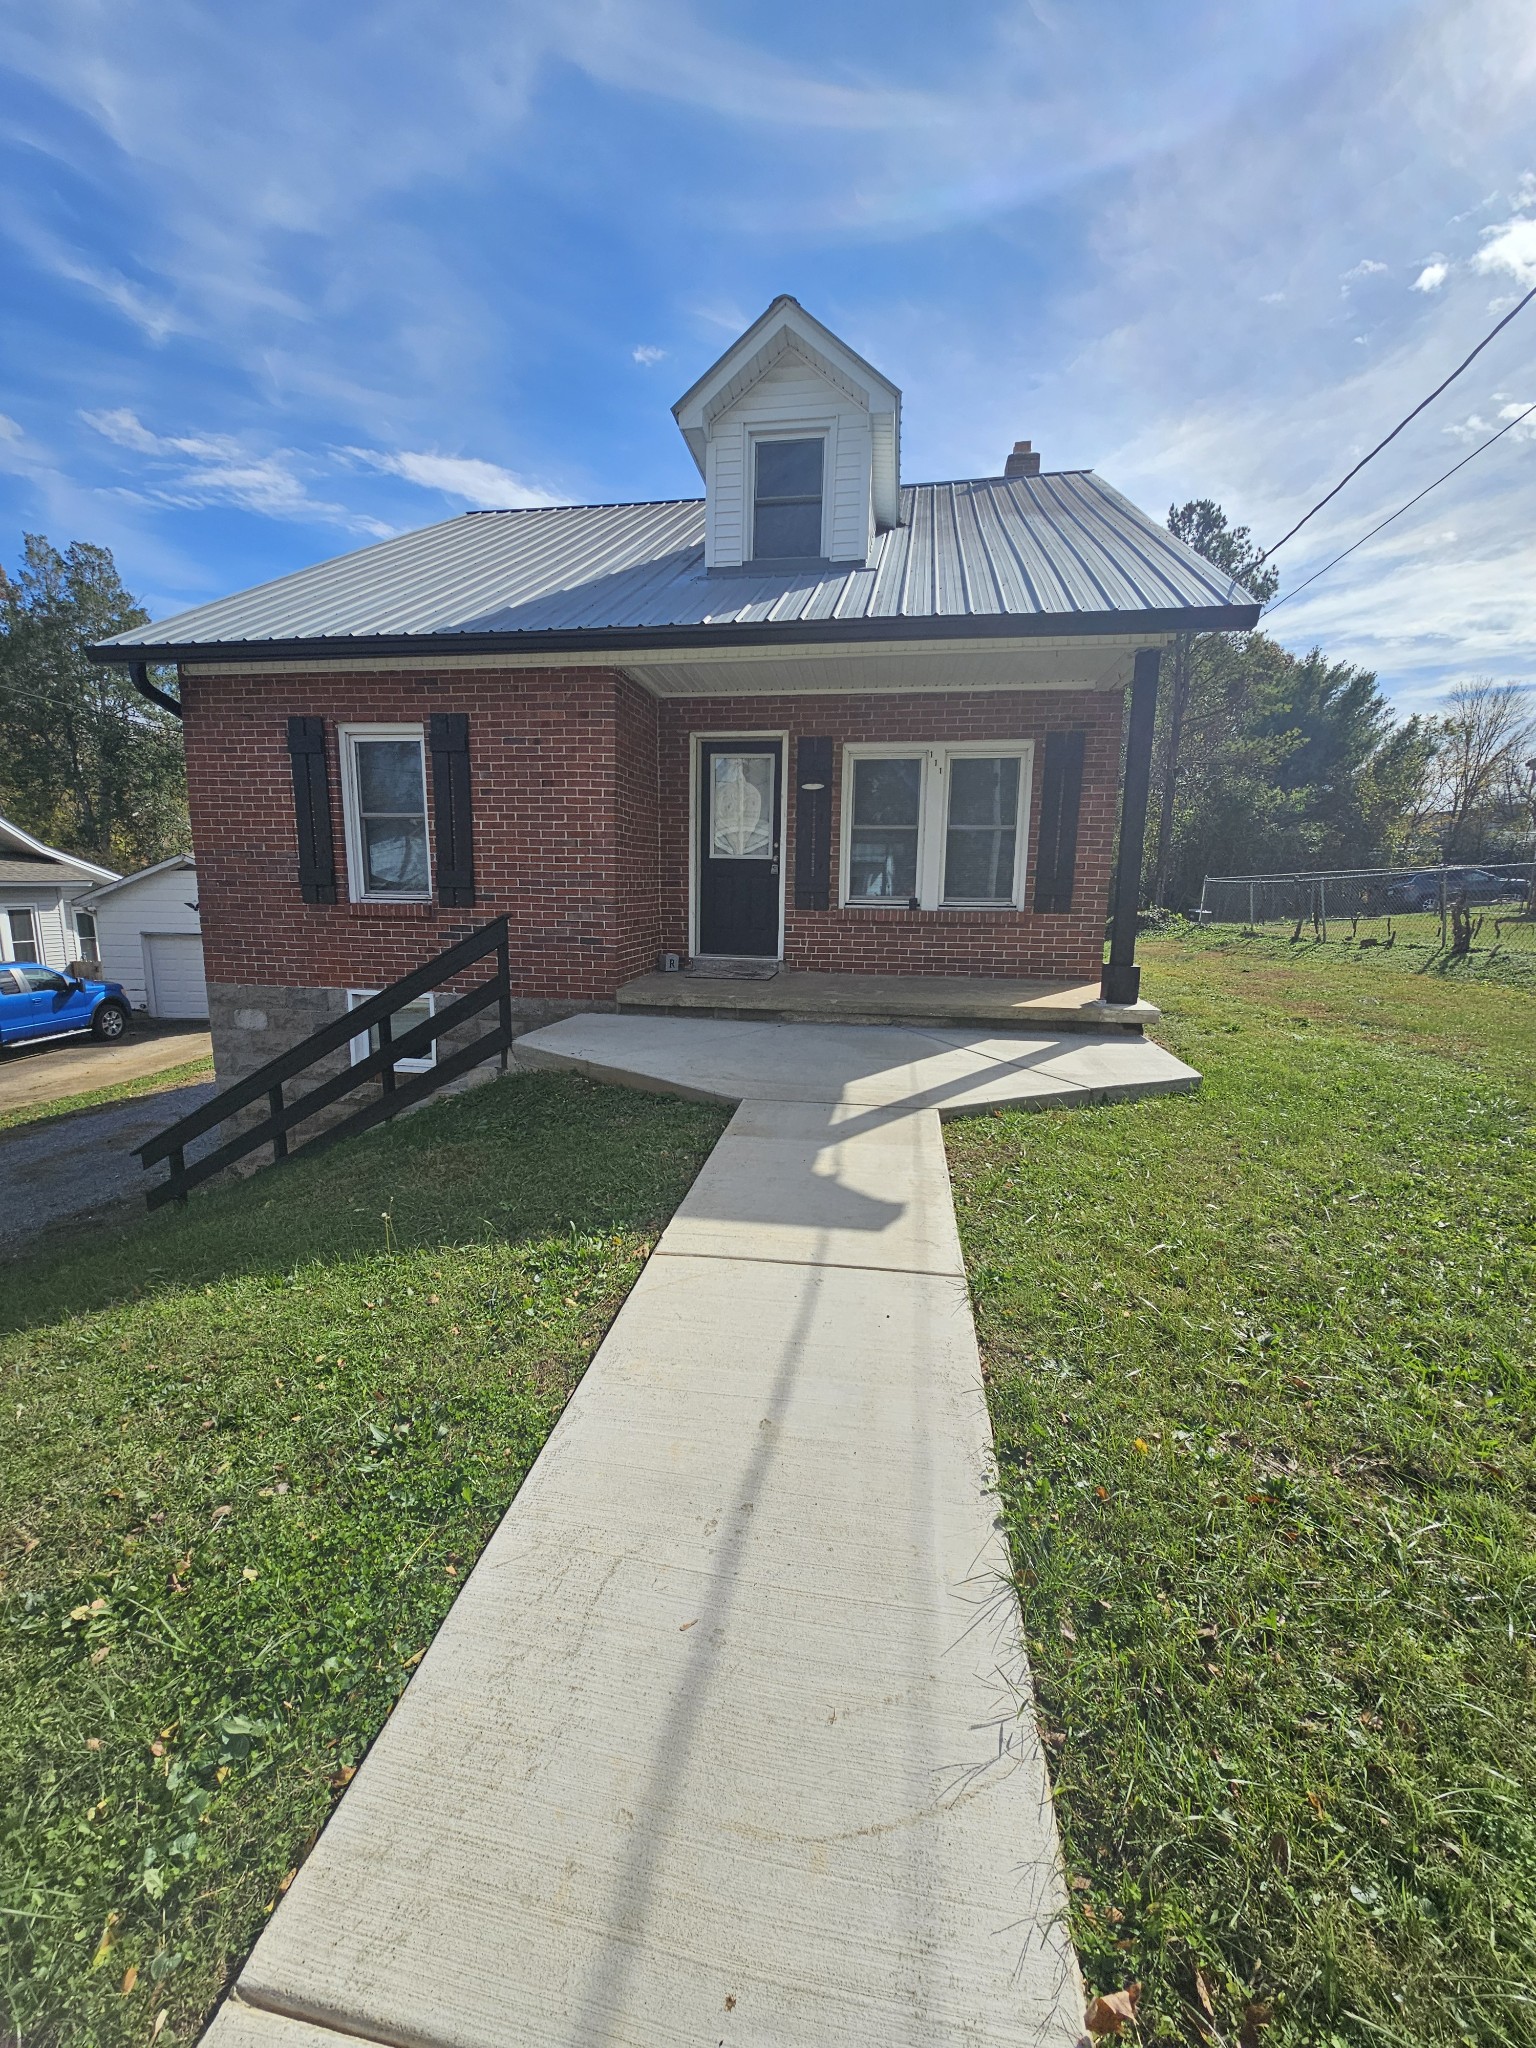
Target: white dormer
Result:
[799, 444]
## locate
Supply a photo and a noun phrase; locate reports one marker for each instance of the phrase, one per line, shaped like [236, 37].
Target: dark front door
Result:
[739, 847]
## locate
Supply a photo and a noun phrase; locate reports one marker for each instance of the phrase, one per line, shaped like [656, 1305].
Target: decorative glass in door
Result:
[741, 806]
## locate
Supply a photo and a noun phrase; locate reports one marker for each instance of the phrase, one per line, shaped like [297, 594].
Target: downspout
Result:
[139, 672]
[1122, 977]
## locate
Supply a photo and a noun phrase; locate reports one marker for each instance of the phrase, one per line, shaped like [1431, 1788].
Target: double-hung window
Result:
[936, 826]
[786, 499]
[384, 796]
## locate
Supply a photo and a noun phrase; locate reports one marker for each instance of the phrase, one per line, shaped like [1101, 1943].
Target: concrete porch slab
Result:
[888, 999]
[955, 1071]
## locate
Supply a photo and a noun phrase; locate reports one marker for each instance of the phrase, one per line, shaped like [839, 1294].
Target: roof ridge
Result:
[939, 483]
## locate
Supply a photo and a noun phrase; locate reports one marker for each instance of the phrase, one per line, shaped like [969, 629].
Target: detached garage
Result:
[149, 937]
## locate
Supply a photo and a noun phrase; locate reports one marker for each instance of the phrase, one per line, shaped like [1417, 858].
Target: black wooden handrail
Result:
[397, 1092]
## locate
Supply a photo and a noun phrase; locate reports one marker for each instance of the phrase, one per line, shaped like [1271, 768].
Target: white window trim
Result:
[357, 869]
[422, 1063]
[932, 820]
[7, 945]
[823, 430]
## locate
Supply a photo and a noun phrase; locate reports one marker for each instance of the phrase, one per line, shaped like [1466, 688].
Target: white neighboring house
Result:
[41, 912]
[150, 939]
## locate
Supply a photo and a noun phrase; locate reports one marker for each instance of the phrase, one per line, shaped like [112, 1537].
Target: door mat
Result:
[732, 970]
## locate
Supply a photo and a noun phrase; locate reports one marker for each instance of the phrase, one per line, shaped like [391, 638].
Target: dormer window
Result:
[786, 500]
[798, 441]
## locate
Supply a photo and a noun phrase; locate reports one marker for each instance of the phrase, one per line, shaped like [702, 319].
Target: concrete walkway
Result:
[729, 1737]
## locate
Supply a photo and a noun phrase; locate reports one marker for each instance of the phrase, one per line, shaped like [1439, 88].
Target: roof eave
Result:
[622, 641]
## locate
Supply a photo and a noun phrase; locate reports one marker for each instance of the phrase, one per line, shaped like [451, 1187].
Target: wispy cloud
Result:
[645, 355]
[1431, 277]
[209, 469]
[479, 483]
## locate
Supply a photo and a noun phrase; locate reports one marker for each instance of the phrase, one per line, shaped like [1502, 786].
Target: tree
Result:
[1481, 772]
[85, 762]
[1202, 525]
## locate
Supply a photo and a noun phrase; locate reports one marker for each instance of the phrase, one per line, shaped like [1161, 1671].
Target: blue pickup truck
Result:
[37, 1003]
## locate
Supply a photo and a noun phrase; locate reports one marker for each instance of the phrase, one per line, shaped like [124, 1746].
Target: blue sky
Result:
[280, 279]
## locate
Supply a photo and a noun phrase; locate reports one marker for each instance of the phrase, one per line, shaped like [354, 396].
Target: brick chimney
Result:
[1023, 461]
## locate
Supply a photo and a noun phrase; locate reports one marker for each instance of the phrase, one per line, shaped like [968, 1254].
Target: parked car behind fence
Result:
[1417, 904]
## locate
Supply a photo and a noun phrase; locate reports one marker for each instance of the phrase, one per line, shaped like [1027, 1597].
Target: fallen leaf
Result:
[288, 1880]
[685, 1626]
[1203, 1993]
[219, 1513]
[1142, 1445]
[1316, 1804]
[157, 1749]
[412, 1661]
[108, 1936]
[1280, 1849]
[344, 1776]
[160, 2019]
[93, 1742]
[1257, 2015]
[130, 1978]
[249, 1573]
[1114, 2012]
[1069, 1633]
[1082, 1884]
[730, 2001]
[434, 1299]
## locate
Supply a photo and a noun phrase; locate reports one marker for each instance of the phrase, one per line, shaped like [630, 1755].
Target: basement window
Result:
[936, 827]
[405, 1019]
[786, 500]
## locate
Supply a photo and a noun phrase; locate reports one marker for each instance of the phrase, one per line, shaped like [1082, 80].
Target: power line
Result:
[1343, 480]
[1360, 543]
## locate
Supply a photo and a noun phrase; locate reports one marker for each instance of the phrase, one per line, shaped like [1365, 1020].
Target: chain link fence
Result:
[1456, 909]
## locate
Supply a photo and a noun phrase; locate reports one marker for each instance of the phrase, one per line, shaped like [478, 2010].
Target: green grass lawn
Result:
[1260, 1363]
[249, 1453]
[119, 1091]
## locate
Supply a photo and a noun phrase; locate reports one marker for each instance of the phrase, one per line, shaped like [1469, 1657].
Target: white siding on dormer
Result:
[789, 397]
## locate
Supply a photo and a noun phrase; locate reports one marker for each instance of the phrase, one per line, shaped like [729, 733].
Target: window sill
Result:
[381, 902]
[884, 906]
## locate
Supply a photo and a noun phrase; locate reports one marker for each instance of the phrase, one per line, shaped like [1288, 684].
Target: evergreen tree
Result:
[85, 762]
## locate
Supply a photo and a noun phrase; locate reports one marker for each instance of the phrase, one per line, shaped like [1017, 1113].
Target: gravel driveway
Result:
[79, 1164]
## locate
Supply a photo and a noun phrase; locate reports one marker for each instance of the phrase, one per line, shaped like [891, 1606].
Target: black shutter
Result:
[813, 824]
[1061, 796]
[312, 809]
[448, 737]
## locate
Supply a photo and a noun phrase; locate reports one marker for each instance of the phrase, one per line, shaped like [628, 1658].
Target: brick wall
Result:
[562, 768]
[884, 939]
[580, 798]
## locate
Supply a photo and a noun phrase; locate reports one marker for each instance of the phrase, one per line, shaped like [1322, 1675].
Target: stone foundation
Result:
[251, 1024]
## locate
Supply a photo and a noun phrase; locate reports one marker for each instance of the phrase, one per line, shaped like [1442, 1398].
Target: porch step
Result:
[888, 999]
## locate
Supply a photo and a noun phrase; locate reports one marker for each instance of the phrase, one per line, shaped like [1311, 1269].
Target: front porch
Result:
[944, 999]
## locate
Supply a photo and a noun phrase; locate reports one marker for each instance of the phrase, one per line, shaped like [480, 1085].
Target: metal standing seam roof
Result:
[1061, 552]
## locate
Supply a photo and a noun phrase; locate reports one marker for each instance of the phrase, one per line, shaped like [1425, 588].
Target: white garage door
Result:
[175, 964]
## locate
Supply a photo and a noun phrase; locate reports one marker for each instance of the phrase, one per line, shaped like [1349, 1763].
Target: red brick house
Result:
[815, 718]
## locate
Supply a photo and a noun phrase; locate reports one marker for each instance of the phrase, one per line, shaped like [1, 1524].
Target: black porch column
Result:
[1122, 977]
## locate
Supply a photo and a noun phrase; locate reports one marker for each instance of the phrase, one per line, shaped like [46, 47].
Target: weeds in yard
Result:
[245, 1476]
[1260, 1364]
